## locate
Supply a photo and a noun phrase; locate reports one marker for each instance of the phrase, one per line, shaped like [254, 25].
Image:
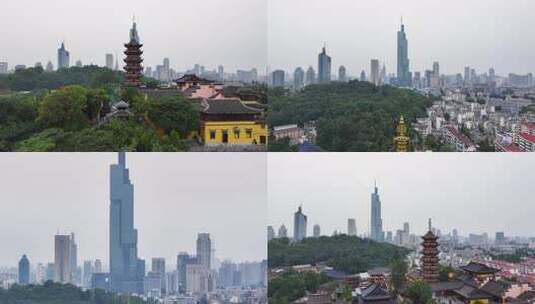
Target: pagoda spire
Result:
[401, 140]
[429, 259]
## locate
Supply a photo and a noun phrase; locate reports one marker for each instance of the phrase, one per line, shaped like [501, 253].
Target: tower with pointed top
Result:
[429, 259]
[376, 222]
[324, 66]
[133, 59]
[64, 57]
[403, 73]
[300, 225]
[401, 140]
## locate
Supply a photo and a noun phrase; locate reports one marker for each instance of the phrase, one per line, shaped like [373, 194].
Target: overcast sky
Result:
[176, 196]
[474, 193]
[210, 32]
[479, 33]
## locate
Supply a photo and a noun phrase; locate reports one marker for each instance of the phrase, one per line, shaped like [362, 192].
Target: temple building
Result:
[401, 141]
[375, 294]
[133, 59]
[429, 260]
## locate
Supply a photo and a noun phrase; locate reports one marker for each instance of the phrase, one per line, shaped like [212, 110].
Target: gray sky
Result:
[479, 33]
[474, 193]
[210, 32]
[176, 195]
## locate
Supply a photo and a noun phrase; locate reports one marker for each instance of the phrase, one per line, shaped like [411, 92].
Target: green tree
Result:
[65, 109]
[174, 114]
[419, 292]
[399, 271]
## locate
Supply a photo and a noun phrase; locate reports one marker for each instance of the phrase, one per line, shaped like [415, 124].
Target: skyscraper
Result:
[277, 78]
[62, 259]
[158, 266]
[109, 61]
[310, 76]
[374, 72]
[403, 73]
[183, 259]
[24, 270]
[300, 225]
[342, 74]
[317, 230]
[283, 232]
[126, 269]
[73, 258]
[87, 274]
[376, 231]
[324, 67]
[63, 57]
[351, 227]
[270, 233]
[204, 249]
[299, 78]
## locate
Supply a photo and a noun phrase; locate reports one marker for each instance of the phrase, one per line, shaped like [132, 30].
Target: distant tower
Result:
[109, 61]
[317, 230]
[324, 67]
[310, 76]
[300, 225]
[403, 73]
[401, 141]
[270, 233]
[204, 250]
[376, 221]
[430, 256]
[342, 74]
[24, 271]
[63, 57]
[283, 232]
[133, 59]
[73, 257]
[374, 72]
[351, 227]
[62, 260]
[299, 78]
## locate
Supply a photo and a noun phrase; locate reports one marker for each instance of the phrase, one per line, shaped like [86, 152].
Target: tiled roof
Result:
[228, 106]
[474, 267]
[528, 137]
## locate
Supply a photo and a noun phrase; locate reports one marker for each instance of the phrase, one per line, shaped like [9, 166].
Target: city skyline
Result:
[357, 31]
[168, 29]
[152, 175]
[411, 190]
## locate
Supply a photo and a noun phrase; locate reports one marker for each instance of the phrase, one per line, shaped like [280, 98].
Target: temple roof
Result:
[496, 288]
[470, 292]
[479, 268]
[192, 78]
[228, 106]
[375, 292]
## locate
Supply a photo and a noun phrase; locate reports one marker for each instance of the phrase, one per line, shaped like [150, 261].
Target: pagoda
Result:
[401, 141]
[133, 59]
[429, 260]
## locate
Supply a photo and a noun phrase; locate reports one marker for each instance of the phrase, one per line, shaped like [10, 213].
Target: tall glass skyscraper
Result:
[24, 270]
[126, 269]
[404, 75]
[376, 231]
[300, 225]
[63, 57]
[324, 67]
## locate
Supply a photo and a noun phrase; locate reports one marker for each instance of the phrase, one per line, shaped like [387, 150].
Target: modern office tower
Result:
[50, 272]
[500, 238]
[403, 73]
[152, 284]
[374, 72]
[73, 258]
[342, 74]
[435, 80]
[63, 57]
[87, 274]
[24, 270]
[310, 76]
[376, 229]
[362, 76]
[183, 259]
[204, 249]
[283, 232]
[133, 59]
[98, 266]
[109, 61]
[389, 236]
[300, 225]
[277, 78]
[467, 75]
[324, 67]
[199, 279]
[221, 72]
[473, 76]
[40, 273]
[171, 283]
[270, 233]
[227, 272]
[62, 259]
[299, 78]
[49, 66]
[158, 266]
[126, 269]
[316, 230]
[4, 67]
[351, 227]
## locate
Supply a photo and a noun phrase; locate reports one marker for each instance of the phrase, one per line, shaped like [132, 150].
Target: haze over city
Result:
[176, 196]
[458, 33]
[471, 193]
[209, 32]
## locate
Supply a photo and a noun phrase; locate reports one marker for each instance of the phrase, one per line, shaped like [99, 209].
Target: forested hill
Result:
[54, 293]
[345, 253]
[352, 116]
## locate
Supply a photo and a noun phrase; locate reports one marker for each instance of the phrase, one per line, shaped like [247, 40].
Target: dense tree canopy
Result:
[354, 116]
[345, 253]
[54, 293]
[291, 286]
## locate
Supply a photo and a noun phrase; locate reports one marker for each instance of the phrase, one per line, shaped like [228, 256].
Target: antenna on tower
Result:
[430, 226]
